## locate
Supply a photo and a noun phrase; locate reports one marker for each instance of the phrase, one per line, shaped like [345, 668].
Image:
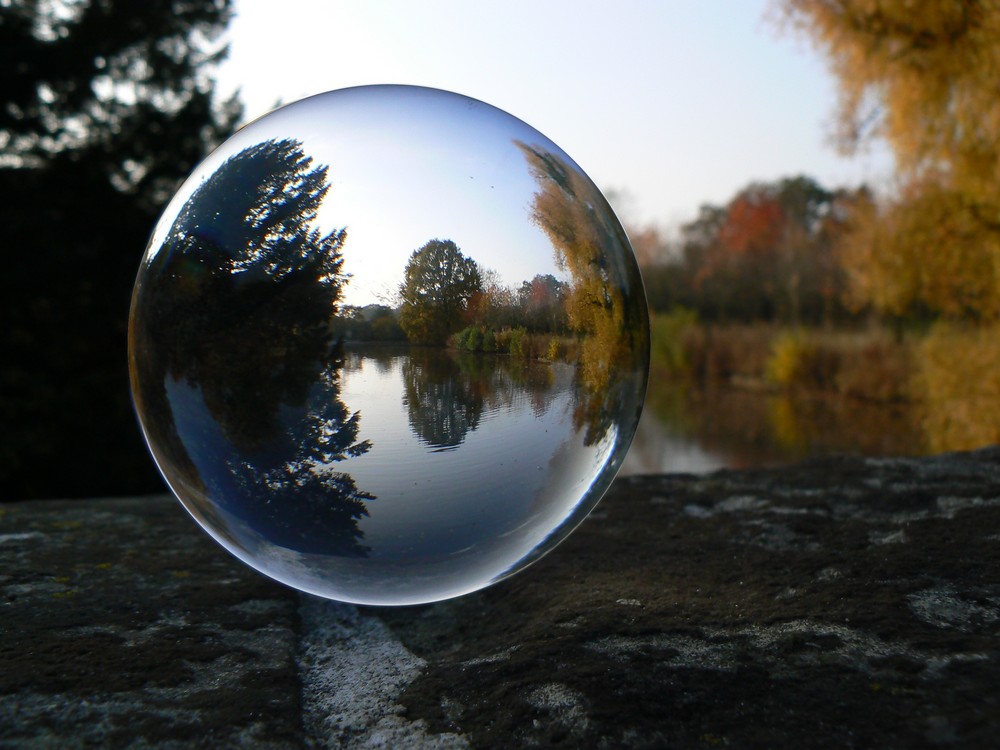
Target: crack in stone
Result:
[353, 670]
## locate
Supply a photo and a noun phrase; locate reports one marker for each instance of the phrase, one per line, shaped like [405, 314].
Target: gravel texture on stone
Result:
[122, 625]
[838, 603]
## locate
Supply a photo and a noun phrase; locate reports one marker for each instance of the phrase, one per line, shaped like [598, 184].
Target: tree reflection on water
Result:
[446, 393]
[444, 404]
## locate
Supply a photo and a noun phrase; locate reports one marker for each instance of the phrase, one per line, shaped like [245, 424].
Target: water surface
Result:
[688, 429]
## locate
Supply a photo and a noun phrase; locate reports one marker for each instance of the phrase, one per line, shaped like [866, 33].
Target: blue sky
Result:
[407, 165]
[677, 103]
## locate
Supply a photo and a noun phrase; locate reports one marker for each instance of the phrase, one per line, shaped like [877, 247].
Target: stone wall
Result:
[844, 602]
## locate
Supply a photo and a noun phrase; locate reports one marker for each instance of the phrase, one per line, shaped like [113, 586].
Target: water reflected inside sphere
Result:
[388, 345]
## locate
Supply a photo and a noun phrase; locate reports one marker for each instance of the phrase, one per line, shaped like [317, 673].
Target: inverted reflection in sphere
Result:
[388, 345]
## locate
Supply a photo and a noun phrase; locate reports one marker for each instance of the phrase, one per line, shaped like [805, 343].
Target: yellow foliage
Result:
[786, 425]
[923, 76]
[554, 351]
[789, 361]
[958, 383]
[583, 231]
[920, 74]
[604, 302]
[924, 251]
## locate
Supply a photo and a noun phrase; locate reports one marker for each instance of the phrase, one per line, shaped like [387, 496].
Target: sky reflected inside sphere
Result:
[467, 180]
[388, 345]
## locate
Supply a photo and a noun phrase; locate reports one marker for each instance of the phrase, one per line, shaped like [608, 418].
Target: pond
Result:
[690, 429]
[450, 427]
[393, 474]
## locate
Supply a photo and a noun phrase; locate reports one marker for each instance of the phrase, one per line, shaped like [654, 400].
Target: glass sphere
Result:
[388, 345]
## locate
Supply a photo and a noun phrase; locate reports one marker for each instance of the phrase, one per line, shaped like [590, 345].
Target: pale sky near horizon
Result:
[675, 103]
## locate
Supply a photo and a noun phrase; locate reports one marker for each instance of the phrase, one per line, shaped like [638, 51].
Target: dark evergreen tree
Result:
[106, 107]
[231, 345]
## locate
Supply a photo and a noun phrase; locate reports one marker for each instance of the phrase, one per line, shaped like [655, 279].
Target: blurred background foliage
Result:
[789, 308]
[818, 294]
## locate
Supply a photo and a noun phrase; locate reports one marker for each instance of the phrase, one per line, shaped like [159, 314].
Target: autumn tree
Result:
[542, 301]
[494, 305]
[439, 281]
[768, 254]
[737, 265]
[584, 234]
[675, 283]
[603, 299]
[922, 76]
[650, 246]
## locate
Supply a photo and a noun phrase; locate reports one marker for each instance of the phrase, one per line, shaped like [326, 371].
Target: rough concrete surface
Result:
[839, 603]
[122, 625]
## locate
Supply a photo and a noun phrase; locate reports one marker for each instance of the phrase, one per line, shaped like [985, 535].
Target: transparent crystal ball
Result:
[388, 345]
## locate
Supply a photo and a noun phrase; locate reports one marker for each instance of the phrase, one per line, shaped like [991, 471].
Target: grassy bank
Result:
[518, 342]
[868, 363]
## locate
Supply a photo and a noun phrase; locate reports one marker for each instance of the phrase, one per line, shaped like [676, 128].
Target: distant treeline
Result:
[482, 305]
[772, 254]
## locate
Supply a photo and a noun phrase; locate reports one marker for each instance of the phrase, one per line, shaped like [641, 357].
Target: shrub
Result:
[458, 340]
[518, 342]
[785, 363]
[958, 381]
[474, 339]
[668, 334]
[554, 350]
[502, 339]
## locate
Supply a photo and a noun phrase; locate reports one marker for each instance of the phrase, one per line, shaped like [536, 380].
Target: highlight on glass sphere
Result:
[388, 345]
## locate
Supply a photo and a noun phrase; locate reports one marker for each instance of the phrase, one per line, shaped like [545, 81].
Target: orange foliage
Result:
[754, 223]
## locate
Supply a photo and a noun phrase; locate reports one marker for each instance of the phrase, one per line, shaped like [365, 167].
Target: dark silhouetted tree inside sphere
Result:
[233, 315]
